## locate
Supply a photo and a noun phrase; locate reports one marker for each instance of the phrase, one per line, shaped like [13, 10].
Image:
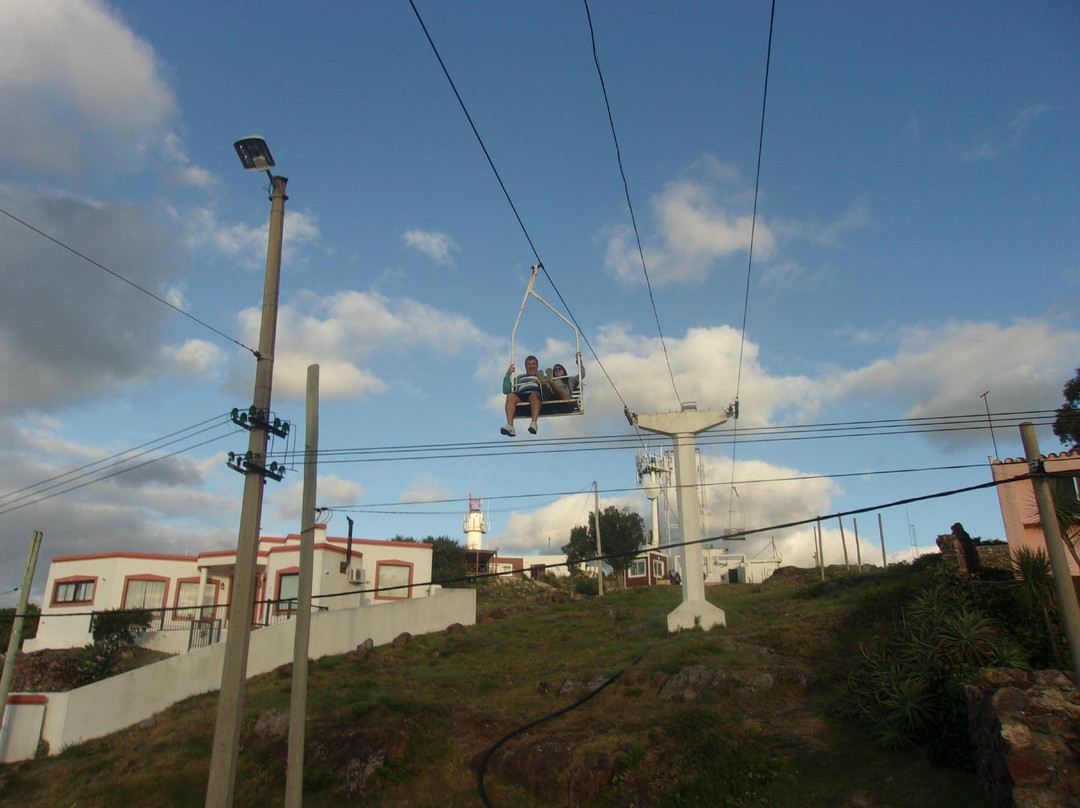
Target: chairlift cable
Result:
[513, 207]
[629, 204]
[753, 229]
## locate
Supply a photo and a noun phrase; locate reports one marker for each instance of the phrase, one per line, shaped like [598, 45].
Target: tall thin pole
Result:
[843, 541]
[294, 777]
[989, 420]
[820, 548]
[1055, 548]
[881, 533]
[858, 550]
[15, 641]
[222, 779]
[599, 551]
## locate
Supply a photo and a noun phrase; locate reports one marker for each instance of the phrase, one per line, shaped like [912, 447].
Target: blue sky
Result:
[915, 246]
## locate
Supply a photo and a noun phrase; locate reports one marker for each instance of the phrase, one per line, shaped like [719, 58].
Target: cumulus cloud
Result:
[243, 243]
[198, 358]
[82, 80]
[283, 501]
[345, 331]
[706, 217]
[694, 231]
[436, 246]
[548, 528]
[944, 371]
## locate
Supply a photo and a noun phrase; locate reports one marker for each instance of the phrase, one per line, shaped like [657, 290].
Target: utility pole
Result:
[15, 641]
[681, 427]
[1055, 548]
[881, 533]
[989, 420]
[294, 776]
[820, 547]
[226, 745]
[599, 550]
[843, 541]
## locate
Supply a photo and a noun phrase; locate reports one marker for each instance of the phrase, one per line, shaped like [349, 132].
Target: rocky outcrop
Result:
[1026, 728]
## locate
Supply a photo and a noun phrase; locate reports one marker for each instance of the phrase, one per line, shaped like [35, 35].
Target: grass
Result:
[439, 702]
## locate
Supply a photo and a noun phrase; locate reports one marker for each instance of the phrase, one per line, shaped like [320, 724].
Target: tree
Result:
[622, 534]
[1067, 418]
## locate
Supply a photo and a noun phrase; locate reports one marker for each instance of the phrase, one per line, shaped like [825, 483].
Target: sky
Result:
[914, 233]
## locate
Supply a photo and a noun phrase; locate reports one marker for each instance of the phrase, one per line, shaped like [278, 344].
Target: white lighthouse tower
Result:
[474, 525]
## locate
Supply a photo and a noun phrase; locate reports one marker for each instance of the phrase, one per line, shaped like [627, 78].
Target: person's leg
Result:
[511, 406]
[534, 409]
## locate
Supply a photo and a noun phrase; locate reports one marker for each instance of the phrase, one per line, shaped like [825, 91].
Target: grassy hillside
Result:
[740, 716]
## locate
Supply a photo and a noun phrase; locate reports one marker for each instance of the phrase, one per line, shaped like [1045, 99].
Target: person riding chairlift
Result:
[525, 387]
[563, 385]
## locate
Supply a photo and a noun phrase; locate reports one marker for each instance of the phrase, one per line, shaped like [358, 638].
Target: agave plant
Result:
[1037, 591]
[968, 638]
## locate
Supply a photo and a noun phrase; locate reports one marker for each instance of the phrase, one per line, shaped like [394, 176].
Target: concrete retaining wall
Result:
[96, 710]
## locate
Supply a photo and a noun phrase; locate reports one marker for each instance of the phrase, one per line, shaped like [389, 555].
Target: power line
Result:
[118, 467]
[828, 431]
[120, 277]
[119, 458]
[384, 508]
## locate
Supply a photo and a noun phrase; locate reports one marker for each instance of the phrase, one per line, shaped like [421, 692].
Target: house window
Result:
[187, 596]
[657, 568]
[287, 592]
[145, 593]
[390, 575]
[77, 591]
[637, 568]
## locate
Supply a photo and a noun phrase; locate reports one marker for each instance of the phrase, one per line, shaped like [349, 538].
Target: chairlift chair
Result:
[549, 407]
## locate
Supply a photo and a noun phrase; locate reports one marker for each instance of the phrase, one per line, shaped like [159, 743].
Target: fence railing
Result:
[205, 624]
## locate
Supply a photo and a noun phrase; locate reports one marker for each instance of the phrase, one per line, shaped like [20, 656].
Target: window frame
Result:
[77, 580]
[393, 563]
[280, 576]
[183, 612]
[157, 611]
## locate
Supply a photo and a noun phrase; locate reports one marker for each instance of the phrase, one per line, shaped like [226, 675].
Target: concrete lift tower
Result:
[681, 427]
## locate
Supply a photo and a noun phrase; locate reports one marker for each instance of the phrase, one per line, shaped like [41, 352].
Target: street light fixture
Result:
[255, 156]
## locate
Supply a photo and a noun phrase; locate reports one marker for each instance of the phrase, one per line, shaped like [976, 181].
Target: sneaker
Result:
[508, 430]
[532, 428]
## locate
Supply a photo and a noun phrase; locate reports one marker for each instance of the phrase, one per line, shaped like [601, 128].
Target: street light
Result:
[255, 156]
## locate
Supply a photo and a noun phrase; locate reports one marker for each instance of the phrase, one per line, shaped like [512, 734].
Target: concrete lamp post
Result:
[255, 156]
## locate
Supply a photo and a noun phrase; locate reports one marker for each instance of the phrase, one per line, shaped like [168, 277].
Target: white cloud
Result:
[548, 528]
[437, 246]
[344, 331]
[77, 74]
[198, 357]
[243, 243]
[944, 371]
[694, 232]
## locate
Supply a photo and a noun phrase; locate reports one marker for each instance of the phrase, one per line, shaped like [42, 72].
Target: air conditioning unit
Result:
[355, 575]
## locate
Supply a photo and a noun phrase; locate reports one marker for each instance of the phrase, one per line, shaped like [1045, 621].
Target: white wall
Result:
[121, 701]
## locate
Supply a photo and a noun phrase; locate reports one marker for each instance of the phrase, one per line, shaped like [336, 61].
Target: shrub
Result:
[115, 633]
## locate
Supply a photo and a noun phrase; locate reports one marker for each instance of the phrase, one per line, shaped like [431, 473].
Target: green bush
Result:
[115, 633]
[908, 689]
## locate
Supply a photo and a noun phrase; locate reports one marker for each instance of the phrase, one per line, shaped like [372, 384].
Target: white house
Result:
[188, 596]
